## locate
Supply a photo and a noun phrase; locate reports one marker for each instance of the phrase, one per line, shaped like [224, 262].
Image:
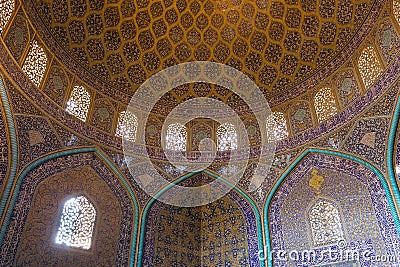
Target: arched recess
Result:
[15, 214]
[246, 204]
[357, 176]
[44, 241]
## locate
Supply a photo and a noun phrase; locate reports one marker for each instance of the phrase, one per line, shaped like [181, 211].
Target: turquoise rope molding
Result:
[331, 153]
[63, 154]
[183, 178]
[391, 149]
[14, 148]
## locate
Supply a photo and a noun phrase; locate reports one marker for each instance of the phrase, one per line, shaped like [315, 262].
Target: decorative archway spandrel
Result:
[357, 194]
[62, 176]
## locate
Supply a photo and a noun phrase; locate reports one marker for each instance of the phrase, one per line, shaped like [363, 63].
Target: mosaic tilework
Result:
[57, 83]
[4, 149]
[199, 130]
[169, 169]
[364, 210]
[173, 236]
[18, 36]
[347, 86]
[68, 138]
[245, 208]
[38, 246]
[300, 117]
[141, 195]
[154, 34]
[262, 192]
[335, 140]
[282, 160]
[361, 104]
[237, 244]
[367, 140]
[53, 167]
[223, 234]
[114, 142]
[385, 105]
[388, 40]
[35, 137]
[20, 104]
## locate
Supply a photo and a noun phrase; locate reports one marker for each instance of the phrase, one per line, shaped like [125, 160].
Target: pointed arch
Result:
[325, 222]
[6, 10]
[76, 223]
[325, 104]
[79, 103]
[227, 138]
[35, 63]
[176, 136]
[276, 127]
[252, 206]
[127, 125]
[369, 66]
[124, 183]
[378, 174]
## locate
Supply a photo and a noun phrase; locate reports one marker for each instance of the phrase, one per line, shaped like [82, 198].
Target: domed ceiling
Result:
[280, 44]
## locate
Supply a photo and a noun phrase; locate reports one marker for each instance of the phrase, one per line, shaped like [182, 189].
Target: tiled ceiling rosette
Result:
[278, 43]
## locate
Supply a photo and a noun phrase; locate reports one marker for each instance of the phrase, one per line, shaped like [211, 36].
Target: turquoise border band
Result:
[183, 178]
[14, 149]
[331, 153]
[66, 153]
[391, 150]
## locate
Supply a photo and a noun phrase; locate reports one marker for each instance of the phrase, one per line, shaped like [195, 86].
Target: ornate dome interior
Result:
[278, 44]
[294, 125]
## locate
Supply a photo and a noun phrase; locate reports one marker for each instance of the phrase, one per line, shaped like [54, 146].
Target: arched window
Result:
[325, 223]
[76, 223]
[369, 66]
[396, 10]
[35, 63]
[176, 137]
[79, 102]
[325, 104]
[226, 137]
[276, 127]
[127, 125]
[6, 10]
